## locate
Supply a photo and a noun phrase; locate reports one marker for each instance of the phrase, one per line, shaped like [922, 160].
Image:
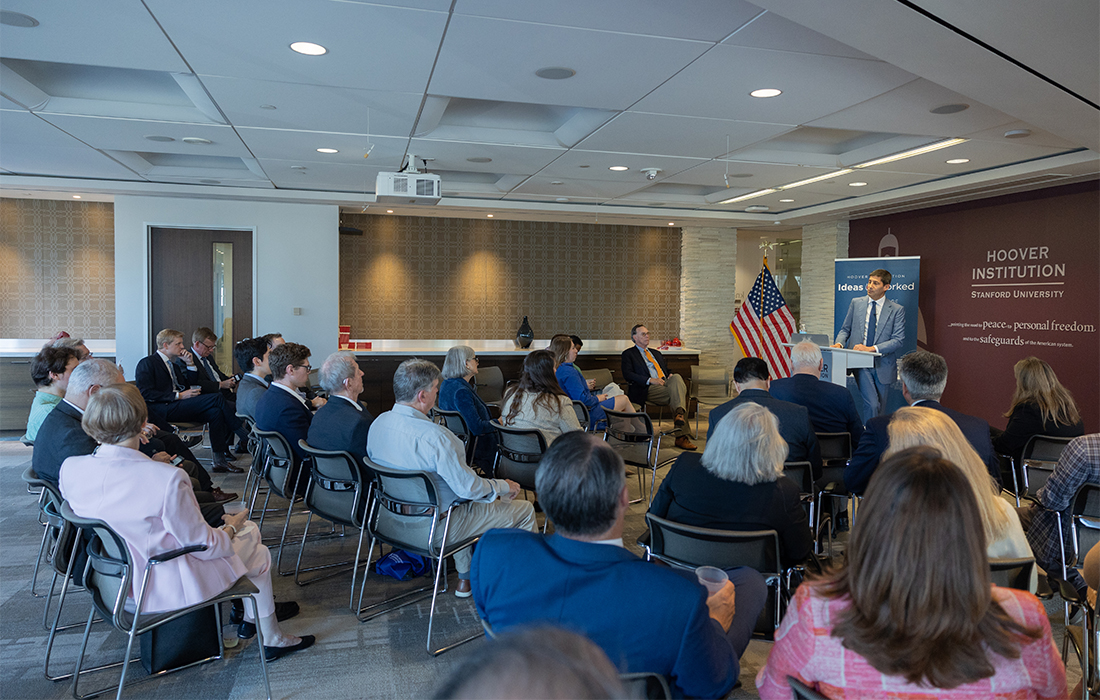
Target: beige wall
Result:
[418, 277]
[57, 268]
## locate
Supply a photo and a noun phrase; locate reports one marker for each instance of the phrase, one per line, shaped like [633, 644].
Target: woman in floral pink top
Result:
[913, 613]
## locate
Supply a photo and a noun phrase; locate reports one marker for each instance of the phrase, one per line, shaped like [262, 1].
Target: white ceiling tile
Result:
[763, 175]
[569, 166]
[5, 103]
[301, 146]
[118, 33]
[370, 47]
[31, 146]
[705, 20]
[575, 187]
[452, 155]
[813, 86]
[982, 155]
[339, 177]
[878, 181]
[129, 135]
[492, 59]
[662, 134]
[770, 31]
[1038, 137]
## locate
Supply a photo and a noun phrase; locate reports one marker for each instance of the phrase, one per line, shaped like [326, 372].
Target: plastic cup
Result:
[712, 578]
[234, 507]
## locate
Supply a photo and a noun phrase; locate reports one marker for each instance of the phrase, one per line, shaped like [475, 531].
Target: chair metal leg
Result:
[37, 563]
[342, 566]
[441, 570]
[361, 610]
[259, 643]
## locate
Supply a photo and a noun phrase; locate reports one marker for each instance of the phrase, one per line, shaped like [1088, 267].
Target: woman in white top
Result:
[537, 401]
[1004, 536]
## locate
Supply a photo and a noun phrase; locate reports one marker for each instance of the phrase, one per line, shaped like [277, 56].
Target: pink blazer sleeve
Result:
[792, 651]
[184, 521]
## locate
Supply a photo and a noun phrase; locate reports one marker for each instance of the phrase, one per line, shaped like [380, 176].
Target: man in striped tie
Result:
[650, 382]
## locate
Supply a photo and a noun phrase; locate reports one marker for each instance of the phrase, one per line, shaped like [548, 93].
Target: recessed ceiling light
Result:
[857, 184]
[809, 180]
[949, 109]
[268, 107]
[750, 195]
[756, 207]
[618, 168]
[196, 141]
[297, 167]
[479, 159]
[308, 48]
[76, 196]
[912, 152]
[389, 211]
[672, 223]
[562, 199]
[1017, 133]
[17, 19]
[489, 215]
[159, 139]
[327, 150]
[555, 73]
[556, 182]
[786, 201]
[957, 161]
[766, 92]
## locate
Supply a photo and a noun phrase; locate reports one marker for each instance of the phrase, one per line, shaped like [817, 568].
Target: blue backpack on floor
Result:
[401, 565]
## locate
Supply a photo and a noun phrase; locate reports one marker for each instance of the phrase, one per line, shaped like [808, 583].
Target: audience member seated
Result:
[64, 340]
[646, 617]
[831, 406]
[577, 388]
[62, 437]
[342, 423]
[913, 613]
[1079, 464]
[405, 438]
[649, 381]
[537, 402]
[152, 508]
[314, 402]
[164, 384]
[206, 373]
[252, 355]
[738, 484]
[916, 425]
[458, 393]
[50, 370]
[751, 378]
[1040, 406]
[535, 662]
[923, 379]
[283, 407]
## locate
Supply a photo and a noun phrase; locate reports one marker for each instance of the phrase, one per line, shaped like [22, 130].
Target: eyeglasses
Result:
[210, 346]
[474, 359]
[305, 367]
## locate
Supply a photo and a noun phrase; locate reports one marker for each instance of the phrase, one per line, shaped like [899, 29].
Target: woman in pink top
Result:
[913, 614]
[152, 506]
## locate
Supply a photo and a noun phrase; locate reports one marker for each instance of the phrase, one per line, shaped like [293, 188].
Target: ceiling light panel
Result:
[302, 146]
[337, 177]
[129, 135]
[982, 154]
[567, 166]
[763, 174]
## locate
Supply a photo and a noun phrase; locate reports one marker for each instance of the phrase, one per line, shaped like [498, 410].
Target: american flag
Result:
[765, 340]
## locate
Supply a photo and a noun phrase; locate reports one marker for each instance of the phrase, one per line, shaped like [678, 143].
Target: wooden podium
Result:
[839, 360]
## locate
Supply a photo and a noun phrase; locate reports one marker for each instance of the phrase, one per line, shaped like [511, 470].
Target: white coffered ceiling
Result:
[657, 85]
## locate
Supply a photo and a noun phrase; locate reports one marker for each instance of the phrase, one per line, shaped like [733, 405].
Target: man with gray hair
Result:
[832, 408]
[342, 423]
[62, 436]
[405, 438]
[923, 379]
[645, 617]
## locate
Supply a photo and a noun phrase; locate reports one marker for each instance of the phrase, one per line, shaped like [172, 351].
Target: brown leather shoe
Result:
[685, 443]
[223, 496]
[462, 590]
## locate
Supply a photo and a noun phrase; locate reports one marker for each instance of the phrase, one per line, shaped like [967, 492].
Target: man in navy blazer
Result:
[165, 388]
[886, 335]
[342, 423]
[649, 381]
[645, 617]
[923, 379]
[282, 407]
[752, 379]
[831, 407]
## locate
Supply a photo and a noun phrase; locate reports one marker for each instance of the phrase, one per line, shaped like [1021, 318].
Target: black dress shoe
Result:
[236, 614]
[273, 653]
[283, 611]
[223, 467]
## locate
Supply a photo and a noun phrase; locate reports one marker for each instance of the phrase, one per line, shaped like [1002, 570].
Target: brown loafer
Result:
[222, 496]
[684, 443]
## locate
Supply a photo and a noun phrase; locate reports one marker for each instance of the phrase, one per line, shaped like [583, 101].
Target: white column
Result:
[708, 267]
[822, 244]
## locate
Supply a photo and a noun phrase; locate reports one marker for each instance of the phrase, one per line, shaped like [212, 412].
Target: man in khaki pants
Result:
[405, 438]
[650, 382]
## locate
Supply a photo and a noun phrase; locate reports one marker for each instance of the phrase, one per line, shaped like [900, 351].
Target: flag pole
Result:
[760, 314]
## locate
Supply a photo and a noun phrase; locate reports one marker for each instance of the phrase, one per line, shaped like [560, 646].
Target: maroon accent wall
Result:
[1001, 279]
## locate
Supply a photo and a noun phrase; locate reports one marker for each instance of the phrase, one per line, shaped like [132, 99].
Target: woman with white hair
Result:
[738, 484]
[457, 393]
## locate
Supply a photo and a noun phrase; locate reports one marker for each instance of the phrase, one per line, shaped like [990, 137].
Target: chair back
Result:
[628, 427]
[801, 690]
[1085, 510]
[518, 454]
[339, 487]
[582, 414]
[646, 684]
[250, 426]
[1040, 455]
[602, 375]
[800, 473]
[710, 385]
[453, 421]
[490, 384]
[281, 465]
[688, 547]
[1012, 573]
[836, 448]
[109, 574]
[403, 500]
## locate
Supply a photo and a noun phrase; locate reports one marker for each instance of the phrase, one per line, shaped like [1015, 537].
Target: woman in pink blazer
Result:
[152, 507]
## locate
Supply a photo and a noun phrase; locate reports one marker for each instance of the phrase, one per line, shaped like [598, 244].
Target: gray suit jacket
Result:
[889, 334]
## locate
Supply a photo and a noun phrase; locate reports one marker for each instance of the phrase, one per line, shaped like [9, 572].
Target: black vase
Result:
[524, 335]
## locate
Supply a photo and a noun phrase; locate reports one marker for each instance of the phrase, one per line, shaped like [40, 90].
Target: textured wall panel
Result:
[707, 288]
[419, 277]
[822, 244]
[58, 268]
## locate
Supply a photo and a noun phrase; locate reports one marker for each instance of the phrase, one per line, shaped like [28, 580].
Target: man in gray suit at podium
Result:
[874, 324]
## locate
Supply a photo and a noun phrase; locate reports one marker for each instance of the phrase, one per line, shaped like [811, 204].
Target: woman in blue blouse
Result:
[457, 393]
[577, 387]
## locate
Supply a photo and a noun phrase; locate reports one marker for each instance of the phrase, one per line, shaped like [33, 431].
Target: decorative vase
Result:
[524, 335]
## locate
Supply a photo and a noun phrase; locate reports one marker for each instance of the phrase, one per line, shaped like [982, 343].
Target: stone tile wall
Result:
[822, 244]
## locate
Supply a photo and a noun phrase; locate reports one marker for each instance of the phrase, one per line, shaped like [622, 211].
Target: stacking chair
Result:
[453, 421]
[30, 478]
[405, 503]
[646, 684]
[637, 444]
[1037, 462]
[836, 451]
[688, 547]
[339, 490]
[256, 469]
[1084, 534]
[710, 386]
[582, 415]
[518, 454]
[1012, 573]
[281, 471]
[800, 690]
[1008, 476]
[490, 385]
[109, 578]
[802, 474]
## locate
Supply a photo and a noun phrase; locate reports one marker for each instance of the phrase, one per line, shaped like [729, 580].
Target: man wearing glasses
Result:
[283, 407]
[211, 377]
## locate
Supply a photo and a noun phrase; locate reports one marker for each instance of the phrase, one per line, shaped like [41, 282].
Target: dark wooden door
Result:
[182, 272]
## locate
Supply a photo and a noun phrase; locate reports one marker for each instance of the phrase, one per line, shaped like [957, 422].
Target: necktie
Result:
[209, 370]
[871, 322]
[660, 374]
[175, 378]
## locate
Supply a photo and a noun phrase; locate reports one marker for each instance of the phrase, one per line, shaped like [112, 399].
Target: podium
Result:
[839, 360]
